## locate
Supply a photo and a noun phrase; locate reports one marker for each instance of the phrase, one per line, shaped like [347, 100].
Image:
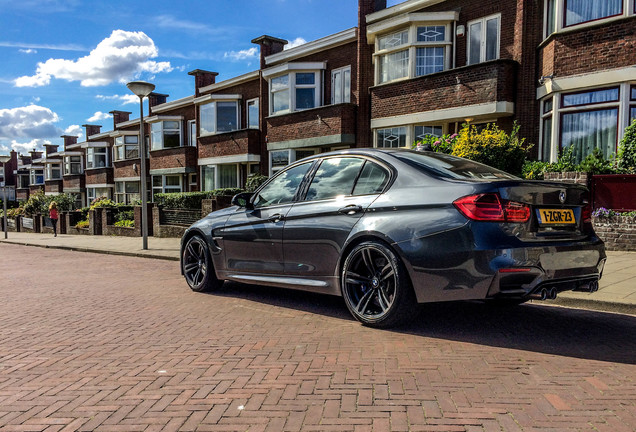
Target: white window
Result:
[279, 159]
[220, 176]
[585, 120]
[53, 171]
[165, 134]
[341, 85]
[166, 184]
[295, 91]
[418, 50]
[92, 193]
[559, 14]
[483, 39]
[126, 147]
[219, 117]
[253, 121]
[126, 192]
[37, 176]
[23, 181]
[391, 137]
[192, 134]
[72, 165]
[422, 132]
[96, 157]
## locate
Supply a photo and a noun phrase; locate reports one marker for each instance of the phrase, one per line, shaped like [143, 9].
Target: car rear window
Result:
[448, 166]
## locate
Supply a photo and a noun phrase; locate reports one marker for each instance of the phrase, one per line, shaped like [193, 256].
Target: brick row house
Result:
[565, 70]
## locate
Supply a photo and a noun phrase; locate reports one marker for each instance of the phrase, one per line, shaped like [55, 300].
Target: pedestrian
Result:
[53, 215]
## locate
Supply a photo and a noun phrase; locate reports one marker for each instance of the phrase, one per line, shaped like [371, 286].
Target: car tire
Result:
[376, 287]
[197, 266]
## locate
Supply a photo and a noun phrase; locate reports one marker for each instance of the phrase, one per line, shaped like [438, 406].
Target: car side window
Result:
[282, 188]
[334, 177]
[372, 179]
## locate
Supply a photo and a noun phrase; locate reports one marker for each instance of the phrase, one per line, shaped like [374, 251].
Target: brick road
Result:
[108, 343]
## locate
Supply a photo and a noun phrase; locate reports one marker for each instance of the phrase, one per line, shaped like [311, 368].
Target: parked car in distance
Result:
[387, 229]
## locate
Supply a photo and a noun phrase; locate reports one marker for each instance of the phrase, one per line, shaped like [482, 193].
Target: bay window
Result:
[126, 147]
[166, 184]
[53, 171]
[192, 135]
[72, 165]
[253, 121]
[483, 39]
[96, 157]
[295, 91]
[219, 117]
[560, 14]
[420, 49]
[92, 193]
[23, 181]
[165, 134]
[220, 176]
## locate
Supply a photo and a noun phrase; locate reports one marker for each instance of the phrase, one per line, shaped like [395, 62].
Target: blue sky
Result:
[65, 62]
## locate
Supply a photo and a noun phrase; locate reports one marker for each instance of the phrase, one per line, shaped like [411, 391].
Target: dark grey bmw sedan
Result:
[387, 229]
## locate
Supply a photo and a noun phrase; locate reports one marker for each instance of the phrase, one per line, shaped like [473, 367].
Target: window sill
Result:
[98, 168]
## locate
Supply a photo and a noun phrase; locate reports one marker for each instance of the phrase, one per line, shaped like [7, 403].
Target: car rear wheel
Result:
[197, 266]
[376, 288]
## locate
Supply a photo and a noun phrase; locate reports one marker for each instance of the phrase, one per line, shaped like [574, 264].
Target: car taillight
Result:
[586, 213]
[491, 208]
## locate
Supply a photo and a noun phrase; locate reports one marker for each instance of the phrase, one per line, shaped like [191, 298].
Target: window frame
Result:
[121, 144]
[255, 102]
[292, 88]
[68, 165]
[410, 136]
[483, 48]
[192, 133]
[162, 131]
[411, 46]
[164, 187]
[217, 174]
[34, 174]
[50, 168]
[565, 9]
[127, 196]
[90, 157]
[214, 103]
[344, 96]
[557, 10]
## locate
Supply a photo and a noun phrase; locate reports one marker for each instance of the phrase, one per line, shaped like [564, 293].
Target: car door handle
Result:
[350, 209]
[276, 218]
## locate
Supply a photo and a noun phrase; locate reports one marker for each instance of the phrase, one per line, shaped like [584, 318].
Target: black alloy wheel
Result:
[197, 266]
[376, 288]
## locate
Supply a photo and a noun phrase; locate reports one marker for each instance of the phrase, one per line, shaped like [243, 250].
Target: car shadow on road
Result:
[553, 330]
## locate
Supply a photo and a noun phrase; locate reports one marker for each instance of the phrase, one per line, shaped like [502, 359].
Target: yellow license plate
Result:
[550, 216]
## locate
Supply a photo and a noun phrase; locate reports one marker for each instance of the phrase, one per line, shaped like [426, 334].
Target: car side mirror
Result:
[243, 200]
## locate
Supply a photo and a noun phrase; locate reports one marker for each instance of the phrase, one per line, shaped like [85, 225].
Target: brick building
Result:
[565, 70]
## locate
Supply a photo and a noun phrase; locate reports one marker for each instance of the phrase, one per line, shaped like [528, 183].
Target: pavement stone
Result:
[617, 288]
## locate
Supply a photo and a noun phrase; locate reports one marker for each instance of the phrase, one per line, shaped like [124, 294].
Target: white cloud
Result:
[26, 147]
[296, 42]
[246, 54]
[24, 45]
[121, 56]
[31, 121]
[28, 51]
[74, 130]
[124, 99]
[98, 116]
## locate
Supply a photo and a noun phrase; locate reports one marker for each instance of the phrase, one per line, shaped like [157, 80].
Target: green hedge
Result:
[191, 200]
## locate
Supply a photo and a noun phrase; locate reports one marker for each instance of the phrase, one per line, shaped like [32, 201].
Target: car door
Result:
[252, 237]
[317, 226]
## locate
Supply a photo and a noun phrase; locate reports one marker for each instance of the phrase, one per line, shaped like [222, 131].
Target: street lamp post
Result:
[142, 89]
[4, 160]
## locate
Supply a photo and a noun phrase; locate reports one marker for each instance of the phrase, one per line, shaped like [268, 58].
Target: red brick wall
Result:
[173, 158]
[53, 186]
[99, 176]
[231, 143]
[607, 46]
[481, 83]
[74, 182]
[126, 168]
[324, 121]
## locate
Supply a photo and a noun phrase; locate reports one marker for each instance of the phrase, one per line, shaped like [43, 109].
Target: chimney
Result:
[69, 140]
[50, 148]
[202, 78]
[35, 155]
[92, 129]
[119, 117]
[155, 99]
[269, 45]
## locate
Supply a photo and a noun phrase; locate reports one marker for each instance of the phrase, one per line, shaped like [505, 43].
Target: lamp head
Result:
[4, 159]
[141, 88]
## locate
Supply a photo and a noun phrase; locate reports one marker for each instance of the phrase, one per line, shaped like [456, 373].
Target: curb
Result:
[596, 305]
[97, 251]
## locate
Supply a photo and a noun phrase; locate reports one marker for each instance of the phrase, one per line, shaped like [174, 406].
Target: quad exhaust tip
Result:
[545, 294]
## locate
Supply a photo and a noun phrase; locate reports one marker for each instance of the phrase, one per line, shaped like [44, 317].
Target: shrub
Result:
[191, 200]
[123, 215]
[253, 182]
[127, 223]
[82, 224]
[492, 146]
[39, 203]
[626, 159]
[443, 144]
[534, 170]
[103, 202]
[595, 163]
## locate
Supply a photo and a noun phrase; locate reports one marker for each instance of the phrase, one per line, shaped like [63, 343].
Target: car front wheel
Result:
[197, 266]
[376, 288]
